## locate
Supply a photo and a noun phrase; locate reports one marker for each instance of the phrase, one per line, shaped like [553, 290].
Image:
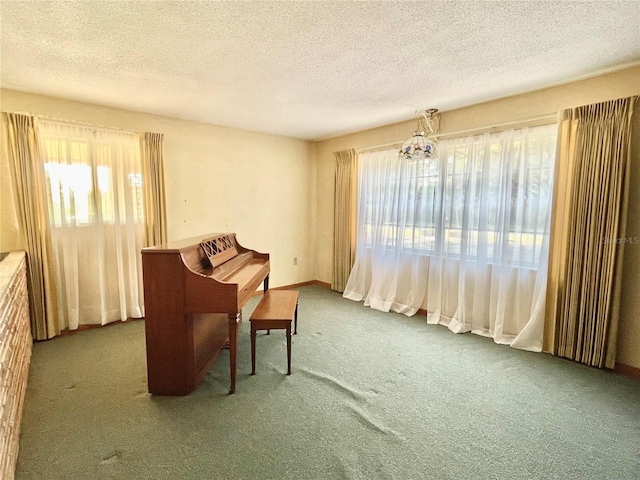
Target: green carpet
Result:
[372, 396]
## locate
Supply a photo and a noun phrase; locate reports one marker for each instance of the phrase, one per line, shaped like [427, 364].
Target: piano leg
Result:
[234, 320]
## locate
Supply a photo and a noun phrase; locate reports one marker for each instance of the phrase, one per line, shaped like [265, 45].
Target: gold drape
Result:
[154, 194]
[588, 232]
[344, 217]
[29, 190]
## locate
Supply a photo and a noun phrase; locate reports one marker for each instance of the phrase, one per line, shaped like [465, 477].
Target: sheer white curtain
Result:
[396, 201]
[490, 276]
[467, 238]
[96, 213]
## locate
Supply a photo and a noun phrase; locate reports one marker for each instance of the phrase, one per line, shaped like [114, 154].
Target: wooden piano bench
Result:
[276, 310]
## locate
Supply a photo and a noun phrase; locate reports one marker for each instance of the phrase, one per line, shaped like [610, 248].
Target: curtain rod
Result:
[83, 124]
[534, 121]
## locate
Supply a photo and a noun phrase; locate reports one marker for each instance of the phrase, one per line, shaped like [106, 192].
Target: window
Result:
[486, 196]
[90, 180]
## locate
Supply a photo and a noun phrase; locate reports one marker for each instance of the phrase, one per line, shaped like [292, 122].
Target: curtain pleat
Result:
[28, 185]
[344, 217]
[588, 232]
[154, 192]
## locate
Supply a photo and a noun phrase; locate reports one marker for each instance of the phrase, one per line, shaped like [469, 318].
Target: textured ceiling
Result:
[308, 69]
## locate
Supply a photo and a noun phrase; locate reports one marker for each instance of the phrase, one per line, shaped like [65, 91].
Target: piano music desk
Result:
[276, 310]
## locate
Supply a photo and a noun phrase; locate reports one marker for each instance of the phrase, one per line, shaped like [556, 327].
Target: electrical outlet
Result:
[295, 260]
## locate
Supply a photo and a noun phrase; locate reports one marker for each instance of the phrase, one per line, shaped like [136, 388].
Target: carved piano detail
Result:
[194, 291]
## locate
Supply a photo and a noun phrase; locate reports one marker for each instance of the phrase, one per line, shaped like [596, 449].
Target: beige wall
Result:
[217, 180]
[606, 87]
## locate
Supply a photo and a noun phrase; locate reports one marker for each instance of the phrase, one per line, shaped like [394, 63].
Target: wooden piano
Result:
[194, 291]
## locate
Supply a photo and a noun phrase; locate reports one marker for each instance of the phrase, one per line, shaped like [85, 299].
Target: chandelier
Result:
[420, 146]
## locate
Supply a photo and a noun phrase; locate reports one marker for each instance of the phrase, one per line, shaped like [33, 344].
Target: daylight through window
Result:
[485, 196]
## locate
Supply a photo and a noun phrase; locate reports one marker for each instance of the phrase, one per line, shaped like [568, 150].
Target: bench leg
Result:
[295, 316]
[253, 352]
[234, 320]
[289, 350]
[266, 287]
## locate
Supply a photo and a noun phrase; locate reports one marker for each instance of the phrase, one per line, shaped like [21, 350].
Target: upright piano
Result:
[194, 291]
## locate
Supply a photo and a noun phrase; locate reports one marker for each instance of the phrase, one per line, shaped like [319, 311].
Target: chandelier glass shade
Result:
[420, 146]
